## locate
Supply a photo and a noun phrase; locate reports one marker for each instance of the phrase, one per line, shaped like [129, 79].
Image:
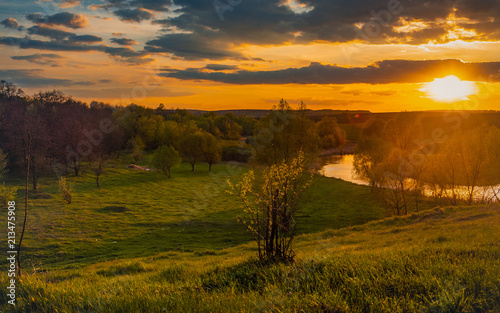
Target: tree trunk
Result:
[28, 161]
[75, 167]
[209, 167]
[192, 167]
[33, 173]
[274, 225]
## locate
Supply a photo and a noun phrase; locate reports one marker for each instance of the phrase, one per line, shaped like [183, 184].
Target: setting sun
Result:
[449, 89]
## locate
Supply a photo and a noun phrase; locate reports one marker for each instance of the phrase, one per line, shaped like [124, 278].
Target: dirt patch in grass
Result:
[138, 167]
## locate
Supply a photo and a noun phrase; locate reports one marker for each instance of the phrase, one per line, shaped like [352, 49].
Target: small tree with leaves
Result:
[271, 201]
[190, 147]
[211, 150]
[164, 158]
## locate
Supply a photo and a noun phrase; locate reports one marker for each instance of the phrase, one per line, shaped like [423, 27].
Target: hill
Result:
[130, 246]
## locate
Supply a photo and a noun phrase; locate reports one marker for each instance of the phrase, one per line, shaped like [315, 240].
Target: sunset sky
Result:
[235, 54]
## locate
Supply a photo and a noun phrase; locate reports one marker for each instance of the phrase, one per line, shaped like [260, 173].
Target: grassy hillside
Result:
[136, 213]
[446, 260]
[132, 246]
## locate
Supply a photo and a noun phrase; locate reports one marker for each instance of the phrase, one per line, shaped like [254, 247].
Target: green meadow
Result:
[145, 243]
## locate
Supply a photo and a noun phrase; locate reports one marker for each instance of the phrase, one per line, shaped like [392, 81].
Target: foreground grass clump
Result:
[443, 260]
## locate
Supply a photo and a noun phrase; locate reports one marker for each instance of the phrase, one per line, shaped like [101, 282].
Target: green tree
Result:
[207, 123]
[393, 162]
[330, 133]
[150, 130]
[285, 131]
[270, 205]
[137, 148]
[228, 127]
[190, 147]
[211, 150]
[369, 154]
[164, 158]
[247, 125]
[466, 161]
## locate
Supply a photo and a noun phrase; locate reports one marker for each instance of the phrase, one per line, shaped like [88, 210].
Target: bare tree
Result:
[28, 162]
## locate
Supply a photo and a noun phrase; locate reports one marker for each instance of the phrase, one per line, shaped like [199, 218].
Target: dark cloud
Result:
[84, 83]
[49, 32]
[134, 15]
[152, 5]
[383, 72]
[35, 78]
[65, 45]
[211, 32]
[85, 39]
[124, 41]
[220, 67]
[32, 78]
[128, 55]
[12, 23]
[192, 47]
[41, 59]
[67, 19]
[60, 35]
[121, 54]
[270, 22]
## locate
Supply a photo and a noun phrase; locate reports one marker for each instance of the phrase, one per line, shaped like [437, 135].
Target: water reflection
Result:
[338, 166]
[342, 167]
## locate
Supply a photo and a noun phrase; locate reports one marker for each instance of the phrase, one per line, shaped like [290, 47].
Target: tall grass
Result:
[444, 260]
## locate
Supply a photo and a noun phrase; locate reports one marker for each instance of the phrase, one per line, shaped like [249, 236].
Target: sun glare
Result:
[449, 89]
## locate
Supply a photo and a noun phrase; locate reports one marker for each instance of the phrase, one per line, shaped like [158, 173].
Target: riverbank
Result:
[348, 148]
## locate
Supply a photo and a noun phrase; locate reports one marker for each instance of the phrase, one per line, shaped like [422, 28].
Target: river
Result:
[342, 167]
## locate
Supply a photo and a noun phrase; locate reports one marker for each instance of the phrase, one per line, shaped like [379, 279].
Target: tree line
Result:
[67, 133]
[403, 166]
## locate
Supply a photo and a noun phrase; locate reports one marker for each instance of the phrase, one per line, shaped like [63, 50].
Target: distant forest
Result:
[62, 133]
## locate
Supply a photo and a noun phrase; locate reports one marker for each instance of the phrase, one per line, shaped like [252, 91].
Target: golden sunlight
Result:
[449, 89]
